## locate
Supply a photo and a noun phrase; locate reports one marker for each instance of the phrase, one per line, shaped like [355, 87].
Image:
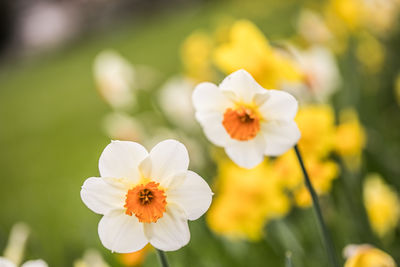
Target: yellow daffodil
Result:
[145, 197]
[196, 53]
[248, 49]
[316, 124]
[346, 17]
[322, 175]
[350, 138]
[246, 200]
[322, 172]
[348, 11]
[367, 256]
[382, 204]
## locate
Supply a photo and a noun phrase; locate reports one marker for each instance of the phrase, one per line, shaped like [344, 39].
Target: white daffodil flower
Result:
[321, 73]
[115, 78]
[178, 90]
[91, 258]
[145, 197]
[33, 263]
[246, 119]
[311, 26]
[15, 248]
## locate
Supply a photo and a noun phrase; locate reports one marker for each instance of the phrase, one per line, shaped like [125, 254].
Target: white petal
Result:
[34, 263]
[103, 196]
[145, 167]
[279, 137]
[279, 106]
[213, 128]
[194, 196]
[171, 232]
[6, 263]
[260, 98]
[121, 233]
[174, 180]
[207, 97]
[247, 154]
[168, 158]
[242, 84]
[120, 159]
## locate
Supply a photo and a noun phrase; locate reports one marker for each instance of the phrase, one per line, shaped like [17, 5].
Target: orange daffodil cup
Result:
[145, 197]
[246, 119]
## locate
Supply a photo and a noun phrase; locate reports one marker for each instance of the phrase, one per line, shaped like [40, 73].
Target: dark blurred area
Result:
[30, 27]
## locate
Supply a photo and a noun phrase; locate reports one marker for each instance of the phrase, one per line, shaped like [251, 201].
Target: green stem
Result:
[324, 230]
[163, 258]
[288, 260]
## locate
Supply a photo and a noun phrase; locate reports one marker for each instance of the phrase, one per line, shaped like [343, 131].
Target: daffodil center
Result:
[146, 201]
[241, 123]
[145, 196]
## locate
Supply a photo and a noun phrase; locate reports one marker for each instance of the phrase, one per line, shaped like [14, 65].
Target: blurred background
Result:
[76, 74]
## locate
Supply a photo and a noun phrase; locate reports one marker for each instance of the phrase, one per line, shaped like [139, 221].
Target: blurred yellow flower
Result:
[367, 256]
[348, 11]
[286, 167]
[196, 54]
[351, 16]
[370, 52]
[135, 258]
[322, 173]
[382, 204]
[316, 124]
[350, 138]
[248, 49]
[246, 200]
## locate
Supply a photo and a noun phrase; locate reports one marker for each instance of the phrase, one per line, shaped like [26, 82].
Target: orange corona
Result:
[146, 201]
[241, 123]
